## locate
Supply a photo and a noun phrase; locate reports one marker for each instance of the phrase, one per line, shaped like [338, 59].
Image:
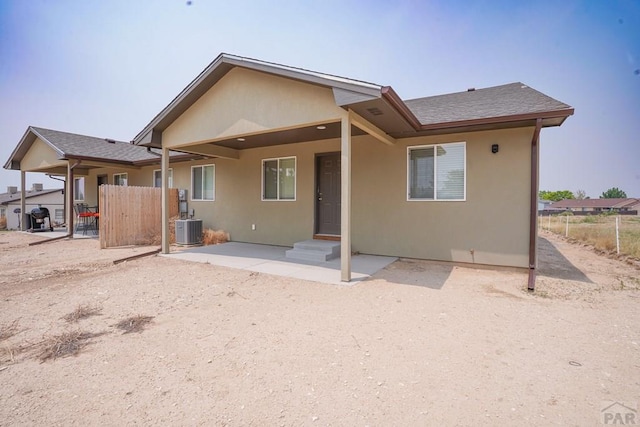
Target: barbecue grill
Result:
[37, 217]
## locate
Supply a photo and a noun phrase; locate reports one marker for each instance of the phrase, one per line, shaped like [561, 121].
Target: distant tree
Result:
[581, 195]
[555, 196]
[614, 193]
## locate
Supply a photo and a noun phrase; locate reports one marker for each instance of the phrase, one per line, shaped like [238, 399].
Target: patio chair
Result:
[85, 219]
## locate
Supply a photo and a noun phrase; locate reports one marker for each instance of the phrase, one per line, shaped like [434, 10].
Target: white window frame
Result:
[213, 184]
[295, 180]
[435, 173]
[153, 183]
[122, 174]
[75, 192]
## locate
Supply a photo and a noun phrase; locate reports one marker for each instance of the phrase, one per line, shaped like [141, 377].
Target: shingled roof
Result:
[510, 105]
[6, 198]
[74, 146]
[613, 203]
[513, 99]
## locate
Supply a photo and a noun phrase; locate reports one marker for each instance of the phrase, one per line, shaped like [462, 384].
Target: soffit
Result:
[291, 136]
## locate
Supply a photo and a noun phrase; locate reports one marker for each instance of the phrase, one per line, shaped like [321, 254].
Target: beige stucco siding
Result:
[238, 195]
[142, 177]
[493, 221]
[245, 102]
[40, 156]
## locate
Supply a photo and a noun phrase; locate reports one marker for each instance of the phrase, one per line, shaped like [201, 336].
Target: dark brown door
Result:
[328, 194]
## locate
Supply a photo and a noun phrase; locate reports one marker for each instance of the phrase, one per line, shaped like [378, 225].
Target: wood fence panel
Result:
[132, 215]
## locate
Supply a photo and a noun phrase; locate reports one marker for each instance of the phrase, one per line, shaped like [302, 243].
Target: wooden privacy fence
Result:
[132, 215]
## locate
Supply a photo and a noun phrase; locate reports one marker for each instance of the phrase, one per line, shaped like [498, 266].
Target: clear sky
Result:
[106, 68]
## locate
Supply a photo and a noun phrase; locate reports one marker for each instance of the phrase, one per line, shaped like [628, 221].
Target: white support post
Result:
[164, 171]
[618, 235]
[345, 200]
[23, 204]
[566, 231]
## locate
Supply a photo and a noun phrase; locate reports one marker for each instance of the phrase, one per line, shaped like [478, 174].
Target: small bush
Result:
[7, 331]
[134, 323]
[3, 223]
[82, 312]
[214, 237]
[65, 344]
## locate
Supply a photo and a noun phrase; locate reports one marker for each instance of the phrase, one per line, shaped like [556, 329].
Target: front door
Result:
[328, 194]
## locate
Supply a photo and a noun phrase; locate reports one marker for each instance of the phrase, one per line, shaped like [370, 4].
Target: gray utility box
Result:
[188, 231]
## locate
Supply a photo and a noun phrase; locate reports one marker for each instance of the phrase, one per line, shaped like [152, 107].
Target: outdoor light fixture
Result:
[321, 127]
[241, 139]
[495, 148]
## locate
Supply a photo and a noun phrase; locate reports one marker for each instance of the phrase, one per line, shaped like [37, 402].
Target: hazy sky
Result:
[106, 68]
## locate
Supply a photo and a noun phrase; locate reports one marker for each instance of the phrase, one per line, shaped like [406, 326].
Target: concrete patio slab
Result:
[272, 260]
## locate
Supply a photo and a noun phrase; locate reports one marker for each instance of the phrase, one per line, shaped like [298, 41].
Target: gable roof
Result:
[6, 198]
[74, 146]
[596, 203]
[509, 105]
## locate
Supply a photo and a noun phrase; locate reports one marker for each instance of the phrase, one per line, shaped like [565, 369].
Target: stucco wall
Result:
[493, 221]
[40, 156]
[490, 227]
[142, 177]
[245, 102]
[238, 192]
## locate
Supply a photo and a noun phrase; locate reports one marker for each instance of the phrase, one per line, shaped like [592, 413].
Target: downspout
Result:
[533, 208]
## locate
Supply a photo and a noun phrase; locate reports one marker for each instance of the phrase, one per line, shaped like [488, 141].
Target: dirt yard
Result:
[421, 343]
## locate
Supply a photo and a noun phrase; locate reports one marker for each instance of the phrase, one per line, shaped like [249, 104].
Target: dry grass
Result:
[214, 237]
[134, 323]
[600, 232]
[154, 235]
[7, 331]
[3, 223]
[8, 354]
[66, 344]
[82, 312]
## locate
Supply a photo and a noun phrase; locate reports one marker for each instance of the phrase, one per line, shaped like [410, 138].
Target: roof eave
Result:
[556, 114]
[13, 163]
[98, 159]
[146, 136]
[398, 104]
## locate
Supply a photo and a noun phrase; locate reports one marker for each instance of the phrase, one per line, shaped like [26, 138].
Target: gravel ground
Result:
[420, 343]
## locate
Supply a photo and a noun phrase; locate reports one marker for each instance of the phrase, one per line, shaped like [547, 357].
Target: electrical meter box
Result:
[182, 203]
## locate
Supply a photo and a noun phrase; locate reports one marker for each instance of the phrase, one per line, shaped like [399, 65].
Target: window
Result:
[3, 212]
[157, 178]
[203, 182]
[279, 179]
[120, 179]
[78, 189]
[437, 172]
[58, 216]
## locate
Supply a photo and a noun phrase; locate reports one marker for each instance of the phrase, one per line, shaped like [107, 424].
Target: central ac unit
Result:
[188, 231]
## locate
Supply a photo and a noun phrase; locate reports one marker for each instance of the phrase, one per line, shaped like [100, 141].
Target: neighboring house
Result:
[297, 154]
[280, 155]
[544, 205]
[596, 206]
[52, 199]
[87, 162]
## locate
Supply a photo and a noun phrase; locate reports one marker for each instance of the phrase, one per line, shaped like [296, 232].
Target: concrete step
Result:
[314, 250]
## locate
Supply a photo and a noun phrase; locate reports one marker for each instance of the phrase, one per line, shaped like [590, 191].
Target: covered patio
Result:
[272, 260]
